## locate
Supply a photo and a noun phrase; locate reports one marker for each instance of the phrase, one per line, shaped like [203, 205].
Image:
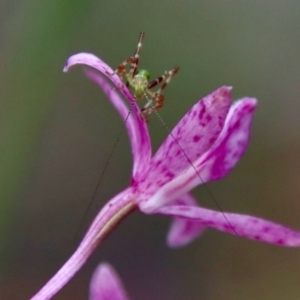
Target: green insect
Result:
[138, 80]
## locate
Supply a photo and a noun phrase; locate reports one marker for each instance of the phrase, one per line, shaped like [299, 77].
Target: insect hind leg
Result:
[157, 96]
[149, 108]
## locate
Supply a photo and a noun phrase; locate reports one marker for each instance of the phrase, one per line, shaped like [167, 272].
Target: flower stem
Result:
[107, 219]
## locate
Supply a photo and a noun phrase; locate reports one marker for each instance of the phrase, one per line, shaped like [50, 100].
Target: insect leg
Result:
[134, 65]
[157, 96]
[133, 61]
[121, 70]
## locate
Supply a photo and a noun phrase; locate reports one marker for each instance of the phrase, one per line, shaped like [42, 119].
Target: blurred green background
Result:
[57, 131]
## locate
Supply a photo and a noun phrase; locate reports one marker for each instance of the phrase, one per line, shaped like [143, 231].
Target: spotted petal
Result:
[238, 224]
[135, 124]
[216, 162]
[106, 284]
[193, 135]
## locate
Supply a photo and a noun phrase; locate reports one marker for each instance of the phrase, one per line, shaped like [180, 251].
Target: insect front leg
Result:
[157, 96]
[121, 70]
[134, 66]
[133, 61]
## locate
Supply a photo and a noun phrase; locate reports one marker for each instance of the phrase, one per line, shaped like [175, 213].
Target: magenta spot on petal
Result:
[236, 154]
[196, 138]
[179, 132]
[160, 183]
[266, 229]
[170, 175]
[158, 162]
[164, 169]
[180, 202]
[237, 125]
[212, 140]
[221, 121]
[133, 182]
[209, 223]
[202, 112]
[172, 144]
[280, 242]
[227, 227]
[178, 152]
[208, 118]
[257, 237]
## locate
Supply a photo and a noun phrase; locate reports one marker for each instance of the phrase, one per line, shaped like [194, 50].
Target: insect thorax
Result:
[139, 84]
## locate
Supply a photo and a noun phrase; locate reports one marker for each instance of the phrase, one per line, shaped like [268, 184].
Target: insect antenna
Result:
[149, 103]
[103, 172]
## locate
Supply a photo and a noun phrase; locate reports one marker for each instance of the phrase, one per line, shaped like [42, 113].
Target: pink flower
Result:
[106, 284]
[204, 146]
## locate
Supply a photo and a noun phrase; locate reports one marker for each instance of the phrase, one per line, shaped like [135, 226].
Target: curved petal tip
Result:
[106, 284]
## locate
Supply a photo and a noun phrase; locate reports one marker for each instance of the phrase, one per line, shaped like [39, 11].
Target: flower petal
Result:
[136, 127]
[238, 224]
[215, 163]
[193, 135]
[106, 284]
[182, 230]
[232, 142]
[91, 60]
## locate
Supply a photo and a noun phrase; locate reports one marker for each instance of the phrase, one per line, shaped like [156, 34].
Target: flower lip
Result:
[241, 225]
